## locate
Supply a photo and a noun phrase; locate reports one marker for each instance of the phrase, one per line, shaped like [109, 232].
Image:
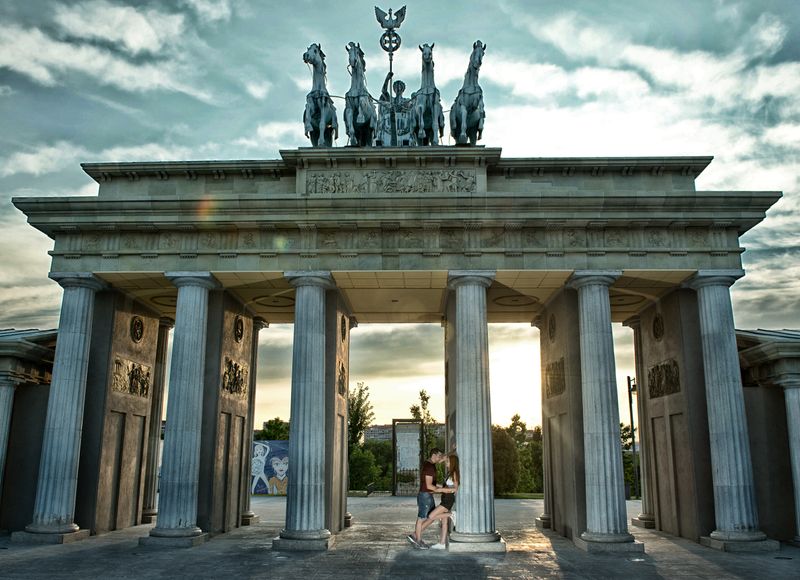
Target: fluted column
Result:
[475, 499]
[606, 518]
[646, 519]
[305, 502]
[544, 521]
[791, 393]
[177, 505]
[150, 500]
[8, 384]
[248, 516]
[732, 470]
[54, 509]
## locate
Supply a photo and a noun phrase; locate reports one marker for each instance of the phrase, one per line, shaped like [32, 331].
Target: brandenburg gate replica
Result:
[396, 228]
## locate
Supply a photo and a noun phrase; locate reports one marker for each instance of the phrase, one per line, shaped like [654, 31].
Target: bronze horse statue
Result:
[467, 114]
[429, 119]
[319, 117]
[360, 119]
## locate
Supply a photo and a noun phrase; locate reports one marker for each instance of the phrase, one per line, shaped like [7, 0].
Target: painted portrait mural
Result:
[270, 468]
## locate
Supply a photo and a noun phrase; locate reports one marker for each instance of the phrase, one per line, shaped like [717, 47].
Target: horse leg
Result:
[421, 123]
[462, 138]
[348, 125]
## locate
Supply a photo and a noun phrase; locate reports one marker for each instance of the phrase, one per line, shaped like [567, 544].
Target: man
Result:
[425, 501]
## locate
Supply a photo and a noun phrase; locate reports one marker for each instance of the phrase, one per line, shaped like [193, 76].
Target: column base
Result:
[543, 522]
[292, 545]
[496, 546]
[173, 541]
[795, 541]
[249, 518]
[49, 538]
[644, 521]
[593, 547]
[465, 542]
[149, 517]
[765, 545]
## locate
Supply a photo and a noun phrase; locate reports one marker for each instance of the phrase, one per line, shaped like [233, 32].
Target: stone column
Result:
[248, 516]
[732, 469]
[54, 508]
[150, 503]
[606, 516]
[177, 505]
[545, 518]
[8, 384]
[305, 502]
[646, 519]
[475, 498]
[792, 399]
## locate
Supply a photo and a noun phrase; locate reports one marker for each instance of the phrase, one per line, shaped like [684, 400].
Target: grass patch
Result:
[520, 496]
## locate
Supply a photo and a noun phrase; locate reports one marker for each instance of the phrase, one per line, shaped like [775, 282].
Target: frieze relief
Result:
[663, 379]
[392, 181]
[555, 378]
[130, 378]
[234, 378]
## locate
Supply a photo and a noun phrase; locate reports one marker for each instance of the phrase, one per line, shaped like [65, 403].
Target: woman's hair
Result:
[455, 472]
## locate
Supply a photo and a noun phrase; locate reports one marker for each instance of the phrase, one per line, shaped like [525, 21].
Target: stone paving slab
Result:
[375, 547]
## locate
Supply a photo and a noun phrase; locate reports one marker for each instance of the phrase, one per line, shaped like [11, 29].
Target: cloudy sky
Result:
[106, 80]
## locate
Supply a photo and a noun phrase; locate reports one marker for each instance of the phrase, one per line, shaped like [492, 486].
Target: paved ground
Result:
[375, 548]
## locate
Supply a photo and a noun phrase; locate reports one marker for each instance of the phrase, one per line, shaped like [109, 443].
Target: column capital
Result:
[321, 278]
[259, 323]
[582, 278]
[79, 279]
[539, 322]
[714, 278]
[10, 379]
[202, 279]
[634, 322]
[166, 321]
[456, 278]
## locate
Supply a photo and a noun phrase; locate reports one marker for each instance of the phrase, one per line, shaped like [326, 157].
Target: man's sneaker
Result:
[438, 547]
[422, 545]
[412, 541]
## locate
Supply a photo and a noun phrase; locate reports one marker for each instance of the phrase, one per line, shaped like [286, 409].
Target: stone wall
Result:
[116, 414]
[224, 441]
[673, 391]
[562, 415]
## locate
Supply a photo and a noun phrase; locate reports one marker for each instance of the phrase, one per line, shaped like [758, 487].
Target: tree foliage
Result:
[505, 461]
[363, 468]
[422, 413]
[274, 430]
[360, 415]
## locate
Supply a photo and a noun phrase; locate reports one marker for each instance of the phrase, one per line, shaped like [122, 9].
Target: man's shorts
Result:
[425, 504]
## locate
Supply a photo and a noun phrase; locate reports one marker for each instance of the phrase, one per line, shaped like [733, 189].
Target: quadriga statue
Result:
[319, 118]
[467, 114]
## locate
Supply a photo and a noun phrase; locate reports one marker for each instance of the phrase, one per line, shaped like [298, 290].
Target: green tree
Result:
[274, 430]
[422, 413]
[518, 430]
[536, 449]
[382, 451]
[626, 435]
[360, 415]
[363, 469]
[505, 461]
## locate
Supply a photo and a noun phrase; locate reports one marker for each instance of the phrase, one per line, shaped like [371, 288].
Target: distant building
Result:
[384, 432]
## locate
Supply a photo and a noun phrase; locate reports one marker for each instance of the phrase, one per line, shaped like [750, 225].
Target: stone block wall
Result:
[673, 392]
[562, 415]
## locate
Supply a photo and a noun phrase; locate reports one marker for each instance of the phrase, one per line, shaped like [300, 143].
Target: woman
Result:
[443, 512]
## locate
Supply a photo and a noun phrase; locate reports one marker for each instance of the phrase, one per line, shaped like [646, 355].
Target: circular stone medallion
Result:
[344, 327]
[238, 329]
[658, 326]
[137, 329]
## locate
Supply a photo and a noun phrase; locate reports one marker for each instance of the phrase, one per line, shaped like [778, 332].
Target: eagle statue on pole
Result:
[387, 20]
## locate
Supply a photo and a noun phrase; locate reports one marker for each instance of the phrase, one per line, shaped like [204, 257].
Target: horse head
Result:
[476, 58]
[427, 52]
[356, 56]
[314, 55]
